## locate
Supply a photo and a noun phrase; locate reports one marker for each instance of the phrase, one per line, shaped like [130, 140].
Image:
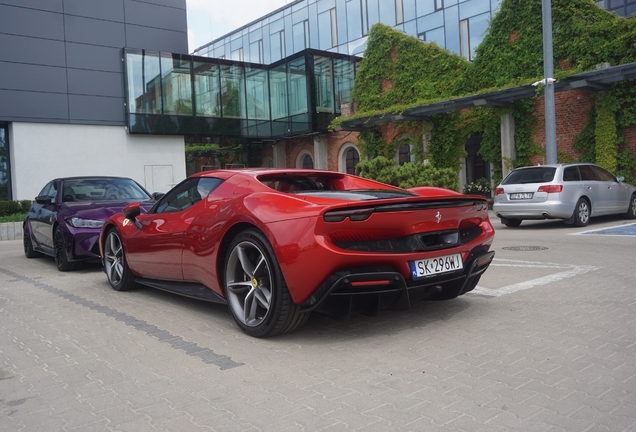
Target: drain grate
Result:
[525, 248]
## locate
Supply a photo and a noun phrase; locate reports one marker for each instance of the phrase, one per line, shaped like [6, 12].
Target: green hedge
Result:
[408, 175]
[8, 208]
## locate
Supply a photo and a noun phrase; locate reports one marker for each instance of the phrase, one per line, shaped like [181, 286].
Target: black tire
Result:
[116, 267]
[582, 213]
[256, 290]
[59, 248]
[631, 210]
[512, 223]
[29, 252]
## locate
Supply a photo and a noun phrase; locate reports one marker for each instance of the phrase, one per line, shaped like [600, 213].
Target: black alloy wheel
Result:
[29, 252]
[61, 259]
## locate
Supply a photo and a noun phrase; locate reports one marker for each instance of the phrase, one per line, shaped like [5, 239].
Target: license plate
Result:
[433, 266]
[521, 196]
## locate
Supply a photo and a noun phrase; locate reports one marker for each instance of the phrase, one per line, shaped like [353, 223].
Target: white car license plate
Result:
[433, 266]
[521, 196]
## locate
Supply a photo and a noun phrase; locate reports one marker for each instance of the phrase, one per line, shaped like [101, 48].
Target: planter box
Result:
[11, 231]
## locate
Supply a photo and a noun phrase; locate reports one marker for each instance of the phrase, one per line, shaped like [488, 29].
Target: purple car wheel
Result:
[61, 259]
[255, 289]
[119, 275]
[29, 252]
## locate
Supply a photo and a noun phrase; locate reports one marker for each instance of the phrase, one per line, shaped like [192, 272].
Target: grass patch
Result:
[18, 217]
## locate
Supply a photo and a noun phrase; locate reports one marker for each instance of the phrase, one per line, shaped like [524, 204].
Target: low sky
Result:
[211, 19]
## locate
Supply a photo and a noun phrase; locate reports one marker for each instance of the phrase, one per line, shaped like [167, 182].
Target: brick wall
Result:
[572, 108]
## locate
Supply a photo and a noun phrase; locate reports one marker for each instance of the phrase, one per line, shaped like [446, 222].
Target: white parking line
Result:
[570, 271]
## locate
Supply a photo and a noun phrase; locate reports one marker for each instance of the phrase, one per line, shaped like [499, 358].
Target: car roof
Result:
[93, 178]
[556, 165]
[254, 172]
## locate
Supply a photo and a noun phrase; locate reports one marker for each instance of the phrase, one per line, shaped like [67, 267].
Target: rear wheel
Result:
[582, 213]
[255, 288]
[511, 223]
[115, 266]
[61, 259]
[631, 210]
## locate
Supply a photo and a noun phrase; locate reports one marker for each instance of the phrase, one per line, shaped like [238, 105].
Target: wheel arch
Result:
[224, 246]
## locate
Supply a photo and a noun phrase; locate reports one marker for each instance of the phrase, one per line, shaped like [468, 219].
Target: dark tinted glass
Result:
[571, 174]
[587, 173]
[98, 189]
[603, 174]
[186, 194]
[530, 175]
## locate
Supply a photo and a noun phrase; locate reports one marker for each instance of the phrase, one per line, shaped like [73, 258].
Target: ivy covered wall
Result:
[400, 71]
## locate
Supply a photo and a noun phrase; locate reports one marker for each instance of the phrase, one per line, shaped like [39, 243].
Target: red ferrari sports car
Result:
[277, 244]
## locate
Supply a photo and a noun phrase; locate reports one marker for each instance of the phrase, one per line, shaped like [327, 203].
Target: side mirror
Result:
[620, 179]
[157, 195]
[43, 199]
[131, 211]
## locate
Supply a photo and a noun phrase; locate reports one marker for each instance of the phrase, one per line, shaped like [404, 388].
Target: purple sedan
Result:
[67, 215]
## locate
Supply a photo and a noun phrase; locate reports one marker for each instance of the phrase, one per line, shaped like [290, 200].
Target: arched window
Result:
[352, 160]
[404, 154]
[308, 162]
[404, 150]
[348, 158]
[305, 160]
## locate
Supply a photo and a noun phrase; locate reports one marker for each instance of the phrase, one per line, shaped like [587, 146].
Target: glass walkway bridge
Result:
[207, 98]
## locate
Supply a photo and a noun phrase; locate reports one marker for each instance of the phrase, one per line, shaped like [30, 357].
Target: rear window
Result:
[531, 175]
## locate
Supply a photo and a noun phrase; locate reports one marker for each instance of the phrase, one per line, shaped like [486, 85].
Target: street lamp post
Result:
[548, 74]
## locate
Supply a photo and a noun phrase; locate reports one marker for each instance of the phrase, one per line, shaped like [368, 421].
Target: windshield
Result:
[530, 175]
[97, 189]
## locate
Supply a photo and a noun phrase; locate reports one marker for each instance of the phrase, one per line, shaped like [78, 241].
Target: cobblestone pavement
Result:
[547, 342]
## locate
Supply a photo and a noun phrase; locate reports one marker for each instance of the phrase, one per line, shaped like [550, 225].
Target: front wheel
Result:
[115, 266]
[631, 210]
[255, 288]
[29, 252]
[582, 213]
[61, 259]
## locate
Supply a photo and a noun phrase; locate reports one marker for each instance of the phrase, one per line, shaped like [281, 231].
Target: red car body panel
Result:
[187, 245]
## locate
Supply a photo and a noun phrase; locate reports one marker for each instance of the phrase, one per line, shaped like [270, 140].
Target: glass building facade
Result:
[342, 26]
[176, 94]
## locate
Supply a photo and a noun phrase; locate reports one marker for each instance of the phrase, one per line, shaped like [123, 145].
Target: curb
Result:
[10, 231]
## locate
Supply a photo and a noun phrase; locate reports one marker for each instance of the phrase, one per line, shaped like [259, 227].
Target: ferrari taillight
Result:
[353, 215]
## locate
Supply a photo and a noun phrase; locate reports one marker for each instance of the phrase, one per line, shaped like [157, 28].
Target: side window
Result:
[46, 189]
[603, 174]
[571, 174]
[53, 193]
[186, 194]
[587, 173]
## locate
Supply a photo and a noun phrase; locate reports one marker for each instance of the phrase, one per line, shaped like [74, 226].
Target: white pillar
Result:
[321, 158]
[280, 155]
[508, 151]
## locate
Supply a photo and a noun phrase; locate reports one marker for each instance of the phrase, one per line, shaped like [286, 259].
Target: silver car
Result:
[572, 192]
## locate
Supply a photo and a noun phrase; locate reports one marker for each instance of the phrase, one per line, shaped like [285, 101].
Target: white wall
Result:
[41, 152]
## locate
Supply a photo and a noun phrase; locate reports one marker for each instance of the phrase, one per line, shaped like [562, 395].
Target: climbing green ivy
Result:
[605, 134]
[399, 71]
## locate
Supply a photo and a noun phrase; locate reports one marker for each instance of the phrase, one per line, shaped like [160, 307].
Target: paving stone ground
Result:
[547, 342]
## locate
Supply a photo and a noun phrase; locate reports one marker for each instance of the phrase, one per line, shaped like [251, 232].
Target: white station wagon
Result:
[572, 192]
